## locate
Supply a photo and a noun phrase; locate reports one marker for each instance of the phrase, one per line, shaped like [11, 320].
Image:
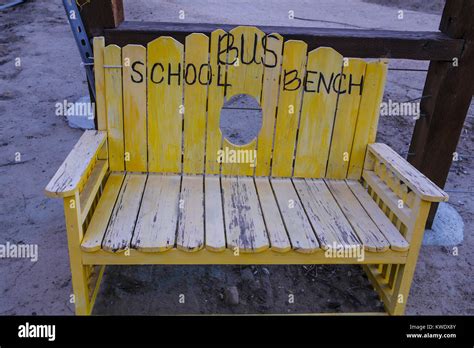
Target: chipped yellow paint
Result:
[134, 107]
[165, 94]
[317, 113]
[369, 112]
[195, 95]
[114, 105]
[289, 103]
[346, 119]
[215, 102]
[271, 77]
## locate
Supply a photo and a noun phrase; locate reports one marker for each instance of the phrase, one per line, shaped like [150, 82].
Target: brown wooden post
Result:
[450, 85]
[98, 15]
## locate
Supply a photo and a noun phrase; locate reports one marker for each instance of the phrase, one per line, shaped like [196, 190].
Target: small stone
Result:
[247, 275]
[265, 270]
[231, 295]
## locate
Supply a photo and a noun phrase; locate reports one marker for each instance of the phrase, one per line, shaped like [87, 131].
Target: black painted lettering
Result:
[177, 74]
[269, 63]
[209, 74]
[337, 83]
[294, 77]
[307, 81]
[360, 85]
[322, 81]
[152, 74]
[219, 75]
[243, 50]
[193, 74]
[140, 75]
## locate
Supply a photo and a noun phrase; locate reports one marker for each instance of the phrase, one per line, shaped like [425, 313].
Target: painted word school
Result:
[228, 53]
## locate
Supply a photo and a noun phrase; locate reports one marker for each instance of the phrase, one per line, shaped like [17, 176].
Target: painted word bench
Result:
[151, 185]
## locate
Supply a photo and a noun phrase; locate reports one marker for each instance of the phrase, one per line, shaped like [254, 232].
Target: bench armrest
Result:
[73, 172]
[416, 181]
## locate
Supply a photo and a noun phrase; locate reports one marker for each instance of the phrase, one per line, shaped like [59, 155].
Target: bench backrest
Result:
[161, 105]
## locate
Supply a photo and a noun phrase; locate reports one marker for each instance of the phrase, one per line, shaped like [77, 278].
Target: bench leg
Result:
[83, 276]
[393, 282]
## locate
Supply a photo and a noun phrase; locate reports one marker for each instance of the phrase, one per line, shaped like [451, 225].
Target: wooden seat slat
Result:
[95, 232]
[368, 233]
[215, 231]
[277, 234]
[124, 216]
[299, 228]
[190, 235]
[331, 227]
[396, 240]
[155, 229]
[245, 228]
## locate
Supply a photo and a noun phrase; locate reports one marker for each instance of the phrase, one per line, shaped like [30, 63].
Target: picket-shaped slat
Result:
[317, 113]
[289, 103]
[165, 97]
[273, 45]
[215, 101]
[114, 106]
[369, 111]
[134, 107]
[195, 94]
[99, 46]
[351, 87]
[245, 70]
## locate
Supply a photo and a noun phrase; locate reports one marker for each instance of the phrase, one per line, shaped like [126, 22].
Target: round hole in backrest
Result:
[241, 119]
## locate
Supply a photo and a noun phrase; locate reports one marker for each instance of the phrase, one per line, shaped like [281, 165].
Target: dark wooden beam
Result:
[436, 135]
[100, 14]
[349, 42]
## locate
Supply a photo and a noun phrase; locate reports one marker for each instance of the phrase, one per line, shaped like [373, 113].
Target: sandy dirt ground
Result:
[38, 34]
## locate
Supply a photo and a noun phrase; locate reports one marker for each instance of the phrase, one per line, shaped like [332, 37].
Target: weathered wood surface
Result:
[289, 104]
[134, 108]
[361, 43]
[124, 216]
[419, 183]
[329, 223]
[299, 228]
[190, 235]
[114, 106]
[155, 230]
[245, 227]
[195, 104]
[395, 239]
[99, 15]
[93, 184]
[72, 172]
[317, 117]
[275, 226]
[215, 230]
[95, 232]
[248, 215]
[165, 120]
[369, 234]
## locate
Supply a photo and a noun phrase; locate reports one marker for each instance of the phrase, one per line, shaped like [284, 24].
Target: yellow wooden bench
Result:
[151, 185]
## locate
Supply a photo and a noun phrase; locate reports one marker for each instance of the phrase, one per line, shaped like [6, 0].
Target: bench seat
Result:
[153, 213]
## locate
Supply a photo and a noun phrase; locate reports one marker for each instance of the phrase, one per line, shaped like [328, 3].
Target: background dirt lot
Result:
[37, 33]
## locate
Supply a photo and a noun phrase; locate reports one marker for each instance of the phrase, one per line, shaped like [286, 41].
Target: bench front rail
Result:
[148, 187]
